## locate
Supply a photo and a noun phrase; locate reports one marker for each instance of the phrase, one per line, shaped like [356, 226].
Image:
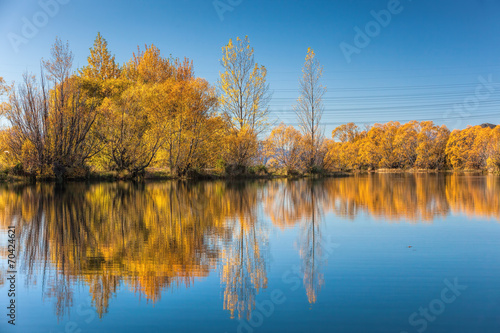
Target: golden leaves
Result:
[101, 65]
[244, 93]
[473, 147]
[415, 144]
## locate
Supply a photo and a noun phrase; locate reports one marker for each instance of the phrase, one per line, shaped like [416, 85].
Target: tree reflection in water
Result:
[162, 236]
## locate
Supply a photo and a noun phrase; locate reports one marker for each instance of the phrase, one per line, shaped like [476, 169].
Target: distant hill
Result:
[488, 125]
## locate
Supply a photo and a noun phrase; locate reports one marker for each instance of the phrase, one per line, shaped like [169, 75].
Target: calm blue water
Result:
[373, 253]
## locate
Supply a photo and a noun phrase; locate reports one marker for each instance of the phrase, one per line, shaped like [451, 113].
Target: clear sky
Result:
[430, 60]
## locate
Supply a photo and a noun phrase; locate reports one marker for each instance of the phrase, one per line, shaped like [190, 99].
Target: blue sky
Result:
[432, 60]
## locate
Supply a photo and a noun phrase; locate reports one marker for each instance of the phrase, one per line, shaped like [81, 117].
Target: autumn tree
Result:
[459, 148]
[4, 93]
[244, 92]
[100, 64]
[187, 111]
[341, 156]
[349, 132]
[134, 133]
[101, 77]
[7, 155]
[52, 123]
[344, 151]
[28, 113]
[387, 144]
[309, 108]
[370, 153]
[71, 117]
[431, 146]
[240, 147]
[479, 154]
[148, 66]
[405, 144]
[131, 141]
[493, 150]
[164, 117]
[243, 101]
[285, 145]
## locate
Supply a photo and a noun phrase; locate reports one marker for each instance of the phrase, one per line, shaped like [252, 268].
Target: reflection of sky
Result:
[373, 282]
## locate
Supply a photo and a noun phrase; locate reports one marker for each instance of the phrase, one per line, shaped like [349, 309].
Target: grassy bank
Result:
[14, 175]
[428, 171]
[9, 176]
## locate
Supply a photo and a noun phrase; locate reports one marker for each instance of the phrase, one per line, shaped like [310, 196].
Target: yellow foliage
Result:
[285, 145]
[29, 157]
[244, 93]
[240, 148]
[421, 145]
[101, 65]
[468, 148]
[431, 147]
[148, 66]
[7, 156]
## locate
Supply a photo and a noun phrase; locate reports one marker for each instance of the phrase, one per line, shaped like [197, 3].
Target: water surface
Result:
[370, 253]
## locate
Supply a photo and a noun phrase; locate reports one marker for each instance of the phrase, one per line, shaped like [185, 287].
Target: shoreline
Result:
[161, 175]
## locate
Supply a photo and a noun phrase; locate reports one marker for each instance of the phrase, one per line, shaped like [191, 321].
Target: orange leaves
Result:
[405, 144]
[189, 107]
[493, 150]
[431, 147]
[421, 145]
[346, 133]
[149, 66]
[160, 115]
[240, 148]
[468, 148]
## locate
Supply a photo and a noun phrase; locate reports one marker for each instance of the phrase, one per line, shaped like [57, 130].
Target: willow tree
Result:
[309, 108]
[431, 147]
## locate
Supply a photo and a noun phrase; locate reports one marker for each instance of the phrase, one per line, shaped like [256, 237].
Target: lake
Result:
[368, 253]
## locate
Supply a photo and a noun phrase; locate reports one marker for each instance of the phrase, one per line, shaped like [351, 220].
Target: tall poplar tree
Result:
[309, 107]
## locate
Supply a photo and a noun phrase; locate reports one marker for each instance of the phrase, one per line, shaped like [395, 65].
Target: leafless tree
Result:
[309, 108]
[56, 120]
